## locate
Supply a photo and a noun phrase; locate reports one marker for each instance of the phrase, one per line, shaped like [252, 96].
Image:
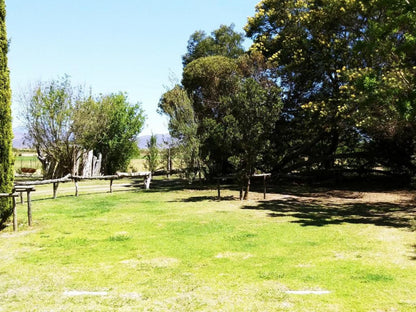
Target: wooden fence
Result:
[147, 176]
[29, 186]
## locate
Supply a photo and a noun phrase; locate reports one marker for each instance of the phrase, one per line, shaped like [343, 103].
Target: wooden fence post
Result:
[14, 213]
[29, 209]
[147, 181]
[55, 189]
[76, 187]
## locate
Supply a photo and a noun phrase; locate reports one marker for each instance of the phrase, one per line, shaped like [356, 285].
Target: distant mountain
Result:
[20, 132]
[161, 139]
[18, 140]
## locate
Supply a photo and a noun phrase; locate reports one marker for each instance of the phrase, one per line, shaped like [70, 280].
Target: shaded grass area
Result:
[179, 249]
[314, 212]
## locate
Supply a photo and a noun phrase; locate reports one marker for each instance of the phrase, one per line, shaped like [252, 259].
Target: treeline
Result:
[327, 86]
[65, 121]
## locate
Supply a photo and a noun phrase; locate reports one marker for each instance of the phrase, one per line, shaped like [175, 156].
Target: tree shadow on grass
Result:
[413, 257]
[171, 185]
[195, 199]
[312, 212]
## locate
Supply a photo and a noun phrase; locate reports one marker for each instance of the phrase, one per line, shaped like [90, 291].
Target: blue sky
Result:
[132, 46]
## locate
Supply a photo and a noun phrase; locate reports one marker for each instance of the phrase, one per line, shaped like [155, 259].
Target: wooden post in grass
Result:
[111, 185]
[264, 175]
[26, 188]
[14, 213]
[76, 187]
[29, 208]
[147, 180]
[55, 189]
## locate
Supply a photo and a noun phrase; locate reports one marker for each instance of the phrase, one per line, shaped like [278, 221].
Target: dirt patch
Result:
[344, 196]
[321, 207]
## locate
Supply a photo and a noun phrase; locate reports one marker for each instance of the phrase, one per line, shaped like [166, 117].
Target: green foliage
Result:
[6, 134]
[183, 127]
[152, 157]
[347, 70]
[207, 80]
[223, 41]
[176, 104]
[62, 121]
[49, 115]
[197, 110]
[253, 113]
[118, 130]
[225, 111]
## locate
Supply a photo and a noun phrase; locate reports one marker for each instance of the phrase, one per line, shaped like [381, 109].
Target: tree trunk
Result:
[247, 188]
[330, 161]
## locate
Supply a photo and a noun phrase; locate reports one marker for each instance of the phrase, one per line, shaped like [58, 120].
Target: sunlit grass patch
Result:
[179, 250]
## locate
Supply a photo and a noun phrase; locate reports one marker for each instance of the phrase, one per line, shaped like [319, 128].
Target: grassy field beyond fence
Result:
[182, 250]
[26, 160]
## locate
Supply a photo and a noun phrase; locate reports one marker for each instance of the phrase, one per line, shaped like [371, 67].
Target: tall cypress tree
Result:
[6, 134]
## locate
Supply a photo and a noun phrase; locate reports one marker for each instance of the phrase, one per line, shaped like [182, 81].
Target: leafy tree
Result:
[169, 152]
[62, 121]
[307, 42]
[183, 127]
[89, 120]
[382, 86]
[6, 135]
[118, 126]
[49, 114]
[152, 157]
[223, 41]
[231, 107]
[346, 69]
[253, 112]
[207, 80]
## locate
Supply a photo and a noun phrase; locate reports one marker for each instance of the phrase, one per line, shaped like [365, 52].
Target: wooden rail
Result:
[29, 186]
[55, 183]
[68, 178]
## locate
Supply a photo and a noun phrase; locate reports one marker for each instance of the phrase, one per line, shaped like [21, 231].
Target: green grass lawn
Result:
[169, 249]
[30, 160]
[27, 161]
